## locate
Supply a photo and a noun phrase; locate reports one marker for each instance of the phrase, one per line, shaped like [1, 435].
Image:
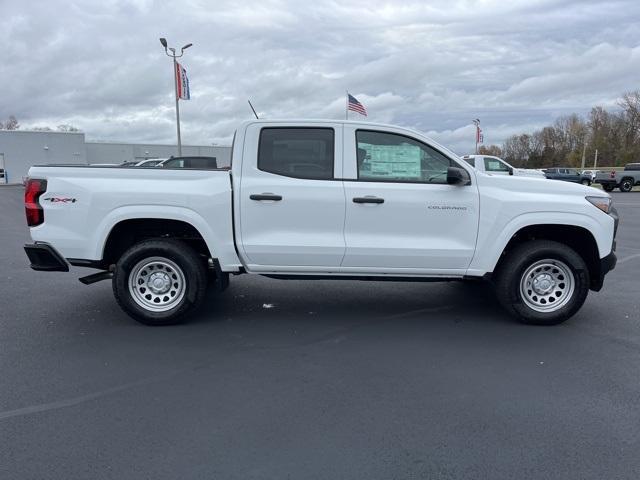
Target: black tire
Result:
[626, 184]
[607, 188]
[172, 261]
[520, 260]
[586, 182]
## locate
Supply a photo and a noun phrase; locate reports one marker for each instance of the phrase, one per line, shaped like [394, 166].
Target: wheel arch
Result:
[578, 238]
[219, 240]
[127, 233]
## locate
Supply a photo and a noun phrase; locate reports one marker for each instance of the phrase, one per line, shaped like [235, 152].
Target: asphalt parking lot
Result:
[316, 380]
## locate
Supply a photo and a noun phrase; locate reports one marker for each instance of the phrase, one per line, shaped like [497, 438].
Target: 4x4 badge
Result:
[60, 200]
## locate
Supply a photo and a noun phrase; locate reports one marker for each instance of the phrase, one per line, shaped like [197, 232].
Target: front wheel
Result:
[542, 282]
[607, 188]
[158, 282]
[586, 182]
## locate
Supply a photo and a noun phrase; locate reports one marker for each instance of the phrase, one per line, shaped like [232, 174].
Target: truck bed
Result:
[83, 203]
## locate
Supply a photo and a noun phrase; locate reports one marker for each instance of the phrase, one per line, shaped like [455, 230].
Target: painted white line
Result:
[630, 257]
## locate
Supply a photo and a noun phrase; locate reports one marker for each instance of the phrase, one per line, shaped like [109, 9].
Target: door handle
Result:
[265, 196]
[368, 200]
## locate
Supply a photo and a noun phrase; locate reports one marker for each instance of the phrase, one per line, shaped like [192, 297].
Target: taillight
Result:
[32, 193]
[613, 174]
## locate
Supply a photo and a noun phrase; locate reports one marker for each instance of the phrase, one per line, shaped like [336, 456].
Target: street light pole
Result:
[173, 55]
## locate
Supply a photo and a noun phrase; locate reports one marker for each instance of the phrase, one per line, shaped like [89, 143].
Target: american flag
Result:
[355, 106]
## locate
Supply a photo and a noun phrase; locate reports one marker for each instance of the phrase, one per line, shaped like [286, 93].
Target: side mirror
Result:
[510, 170]
[458, 176]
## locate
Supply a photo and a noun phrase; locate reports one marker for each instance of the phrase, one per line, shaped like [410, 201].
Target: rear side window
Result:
[297, 152]
[632, 166]
[470, 160]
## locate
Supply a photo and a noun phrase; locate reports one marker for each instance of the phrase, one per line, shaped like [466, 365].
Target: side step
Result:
[96, 277]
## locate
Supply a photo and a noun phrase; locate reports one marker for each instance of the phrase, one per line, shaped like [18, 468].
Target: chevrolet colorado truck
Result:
[321, 199]
[624, 180]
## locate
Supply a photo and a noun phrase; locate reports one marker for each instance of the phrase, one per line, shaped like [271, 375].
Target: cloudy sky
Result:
[432, 65]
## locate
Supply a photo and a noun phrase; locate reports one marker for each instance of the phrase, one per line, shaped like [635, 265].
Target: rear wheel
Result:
[542, 282]
[158, 282]
[626, 185]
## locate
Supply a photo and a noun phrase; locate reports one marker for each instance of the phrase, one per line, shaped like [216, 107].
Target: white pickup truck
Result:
[497, 166]
[321, 199]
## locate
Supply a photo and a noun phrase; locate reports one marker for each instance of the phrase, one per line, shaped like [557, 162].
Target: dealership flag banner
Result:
[182, 82]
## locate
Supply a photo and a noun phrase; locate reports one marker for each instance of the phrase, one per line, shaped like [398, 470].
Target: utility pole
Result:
[173, 55]
[584, 151]
[595, 160]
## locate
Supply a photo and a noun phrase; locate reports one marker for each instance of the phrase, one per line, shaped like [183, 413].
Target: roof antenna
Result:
[253, 109]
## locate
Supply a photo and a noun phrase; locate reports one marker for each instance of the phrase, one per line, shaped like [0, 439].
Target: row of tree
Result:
[614, 134]
[12, 124]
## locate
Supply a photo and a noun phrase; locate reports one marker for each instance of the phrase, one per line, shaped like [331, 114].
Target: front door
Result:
[292, 207]
[401, 213]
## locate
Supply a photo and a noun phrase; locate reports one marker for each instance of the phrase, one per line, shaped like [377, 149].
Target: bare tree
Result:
[615, 134]
[493, 150]
[11, 124]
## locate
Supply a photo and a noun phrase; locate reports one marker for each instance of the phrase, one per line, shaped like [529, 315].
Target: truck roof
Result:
[361, 123]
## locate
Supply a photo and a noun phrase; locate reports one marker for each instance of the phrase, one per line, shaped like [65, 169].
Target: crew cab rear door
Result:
[402, 216]
[292, 204]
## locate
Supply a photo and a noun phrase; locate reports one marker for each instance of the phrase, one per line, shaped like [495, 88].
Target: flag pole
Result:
[346, 105]
[176, 72]
[175, 81]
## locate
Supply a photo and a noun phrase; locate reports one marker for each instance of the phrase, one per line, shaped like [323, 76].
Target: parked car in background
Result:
[568, 175]
[497, 166]
[202, 163]
[624, 180]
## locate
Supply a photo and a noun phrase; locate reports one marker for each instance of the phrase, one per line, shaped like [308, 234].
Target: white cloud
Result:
[432, 66]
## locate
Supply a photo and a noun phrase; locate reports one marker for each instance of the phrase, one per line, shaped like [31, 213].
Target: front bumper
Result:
[45, 258]
[607, 263]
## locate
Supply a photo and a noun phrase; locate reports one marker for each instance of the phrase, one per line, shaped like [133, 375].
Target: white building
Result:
[20, 149]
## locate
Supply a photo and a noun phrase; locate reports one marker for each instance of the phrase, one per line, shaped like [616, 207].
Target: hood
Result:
[537, 185]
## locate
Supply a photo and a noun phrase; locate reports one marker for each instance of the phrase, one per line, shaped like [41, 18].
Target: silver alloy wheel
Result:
[626, 186]
[157, 284]
[547, 285]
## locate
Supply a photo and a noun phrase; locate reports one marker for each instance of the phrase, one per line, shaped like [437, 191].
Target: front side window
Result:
[297, 152]
[494, 165]
[390, 157]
